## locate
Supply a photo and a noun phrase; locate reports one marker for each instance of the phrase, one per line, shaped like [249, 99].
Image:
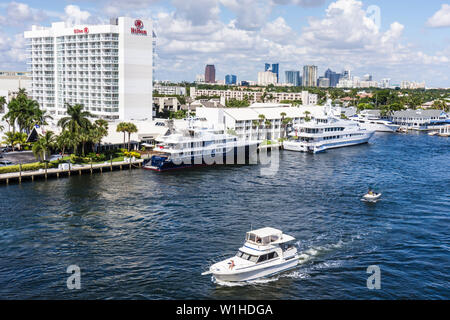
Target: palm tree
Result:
[42, 147]
[307, 118]
[84, 136]
[131, 128]
[121, 127]
[98, 132]
[268, 125]
[64, 140]
[283, 115]
[25, 112]
[2, 103]
[76, 121]
[9, 139]
[260, 122]
[77, 118]
[20, 138]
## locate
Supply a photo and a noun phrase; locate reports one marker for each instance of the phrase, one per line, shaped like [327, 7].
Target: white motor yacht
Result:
[266, 251]
[374, 123]
[198, 146]
[320, 134]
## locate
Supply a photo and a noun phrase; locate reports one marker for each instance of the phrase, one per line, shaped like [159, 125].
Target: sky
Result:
[401, 40]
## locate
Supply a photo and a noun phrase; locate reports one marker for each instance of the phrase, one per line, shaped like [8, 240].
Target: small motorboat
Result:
[433, 133]
[265, 252]
[371, 196]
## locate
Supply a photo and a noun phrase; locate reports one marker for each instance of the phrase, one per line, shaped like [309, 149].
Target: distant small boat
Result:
[371, 196]
[433, 133]
[403, 130]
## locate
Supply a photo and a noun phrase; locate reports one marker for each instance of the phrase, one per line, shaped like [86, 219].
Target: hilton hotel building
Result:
[107, 68]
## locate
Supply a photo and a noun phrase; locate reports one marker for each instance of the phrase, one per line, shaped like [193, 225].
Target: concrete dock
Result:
[7, 178]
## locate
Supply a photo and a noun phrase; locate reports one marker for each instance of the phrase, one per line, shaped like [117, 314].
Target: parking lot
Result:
[17, 157]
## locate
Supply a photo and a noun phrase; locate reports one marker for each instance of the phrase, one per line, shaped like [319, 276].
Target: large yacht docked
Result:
[368, 122]
[266, 251]
[197, 146]
[327, 132]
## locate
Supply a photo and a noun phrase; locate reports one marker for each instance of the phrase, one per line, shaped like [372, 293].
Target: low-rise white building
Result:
[256, 96]
[169, 90]
[419, 119]
[247, 123]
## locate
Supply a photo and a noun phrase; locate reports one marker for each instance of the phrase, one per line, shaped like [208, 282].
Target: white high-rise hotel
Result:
[107, 68]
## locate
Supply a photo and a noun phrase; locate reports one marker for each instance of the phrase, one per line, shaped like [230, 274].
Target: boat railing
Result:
[218, 258]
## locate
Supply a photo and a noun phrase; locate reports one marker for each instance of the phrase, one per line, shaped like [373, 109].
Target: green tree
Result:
[131, 128]
[9, 139]
[42, 147]
[121, 127]
[307, 117]
[2, 103]
[76, 122]
[65, 140]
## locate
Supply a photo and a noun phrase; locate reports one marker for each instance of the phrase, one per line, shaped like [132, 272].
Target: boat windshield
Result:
[247, 256]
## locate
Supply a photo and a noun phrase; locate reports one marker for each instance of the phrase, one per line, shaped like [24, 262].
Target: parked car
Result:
[4, 163]
[55, 157]
[7, 149]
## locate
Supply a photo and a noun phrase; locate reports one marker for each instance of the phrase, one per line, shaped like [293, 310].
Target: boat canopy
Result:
[266, 236]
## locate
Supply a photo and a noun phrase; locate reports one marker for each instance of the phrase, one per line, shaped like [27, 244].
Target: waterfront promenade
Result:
[20, 176]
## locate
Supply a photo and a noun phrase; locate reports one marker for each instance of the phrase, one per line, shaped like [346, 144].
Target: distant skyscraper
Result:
[309, 76]
[367, 77]
[386, 83]
[323, 82]
[210, 73]
[274, 68]
[293, 77]
[266, 77]
[230, 79]
[333, 76]
[347, 75]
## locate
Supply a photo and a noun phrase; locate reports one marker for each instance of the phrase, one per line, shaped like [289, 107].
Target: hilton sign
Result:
[85, 30]
[139, 26]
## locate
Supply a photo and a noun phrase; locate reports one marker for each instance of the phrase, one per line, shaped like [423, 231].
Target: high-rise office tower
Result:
[274, 68]
[230, 79]
[293, 77]
[333, 76]
[106, 68]
[309, 76]
[210, 73]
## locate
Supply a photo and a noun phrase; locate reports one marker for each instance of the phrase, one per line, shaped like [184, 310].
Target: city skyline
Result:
[342, 34]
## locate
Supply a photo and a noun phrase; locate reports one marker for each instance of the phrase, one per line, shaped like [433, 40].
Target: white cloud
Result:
[250, 14]
[20, 14]
[301, 3]
[199, 12]
[74, 15]
[441, 18]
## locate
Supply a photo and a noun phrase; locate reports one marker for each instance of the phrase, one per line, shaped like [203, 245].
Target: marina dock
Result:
[20, 176]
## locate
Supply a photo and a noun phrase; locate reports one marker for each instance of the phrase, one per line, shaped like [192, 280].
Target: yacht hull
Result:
[253, 274]
[236, 155]
[321, 147]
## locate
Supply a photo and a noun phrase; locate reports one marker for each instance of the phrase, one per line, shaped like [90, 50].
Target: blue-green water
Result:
[145, 235]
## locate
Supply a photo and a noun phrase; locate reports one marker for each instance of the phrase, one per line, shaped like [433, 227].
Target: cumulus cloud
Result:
[74, 15]
[250, 14]
[301, 3]
[199, 12]
[20, 14]
[194, 33]
[441, 18]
